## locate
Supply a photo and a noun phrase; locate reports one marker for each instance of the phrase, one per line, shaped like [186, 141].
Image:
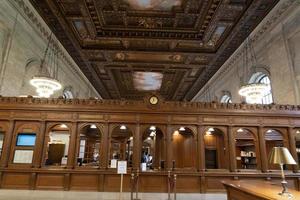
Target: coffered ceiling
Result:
[125, 46]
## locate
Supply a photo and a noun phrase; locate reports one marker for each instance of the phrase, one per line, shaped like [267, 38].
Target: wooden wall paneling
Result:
[53, 181]
[72, 146]
[201, 148]
[104, 160]
[33, 181]
[101, 183]
[169, 147]
[232, 156]
[193, 185]
[37, 162]
[262, 147]
[292, 144]
[7, 143]
[137, 147]
[112, 183]
[84, 182]
[16, 180]
[202, 184]
[67, 181]
[214, 184]
[153, 183]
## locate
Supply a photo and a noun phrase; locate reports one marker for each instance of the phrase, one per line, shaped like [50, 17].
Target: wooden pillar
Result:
[262, 147]
[37, 163]
[104, 157]
[201, 149]
[6, 151]
[136, 148]
[169, 148]
[231, 145]
[72, 147]
[292, 144]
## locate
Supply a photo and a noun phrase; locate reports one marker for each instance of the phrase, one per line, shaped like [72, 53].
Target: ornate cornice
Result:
[255, 36]
[44, 32]
[182, 107]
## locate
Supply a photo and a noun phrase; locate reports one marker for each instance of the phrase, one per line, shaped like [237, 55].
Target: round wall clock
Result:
[153, 100]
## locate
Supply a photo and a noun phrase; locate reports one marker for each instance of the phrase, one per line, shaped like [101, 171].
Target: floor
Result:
[71, 195]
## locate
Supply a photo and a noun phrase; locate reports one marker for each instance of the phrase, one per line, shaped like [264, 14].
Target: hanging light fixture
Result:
[93, 126]
[152, 128]
[253, 92]
[123, 127]
[45, 84]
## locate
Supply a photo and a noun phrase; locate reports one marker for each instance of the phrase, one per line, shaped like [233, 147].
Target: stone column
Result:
[262, 147]
[6, 150]
[201, 149]
[231, 145]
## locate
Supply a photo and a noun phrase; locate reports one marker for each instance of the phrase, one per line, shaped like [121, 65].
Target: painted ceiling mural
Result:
[153, 4]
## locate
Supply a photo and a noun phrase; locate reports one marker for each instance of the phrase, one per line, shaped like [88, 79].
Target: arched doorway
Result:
[153, 154]
[183, 146]
[121, 147]
[246, 149]
[89, 146]
[215, 148]
[57, 140]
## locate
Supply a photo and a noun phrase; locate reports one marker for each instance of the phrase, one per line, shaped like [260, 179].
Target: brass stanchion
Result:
[132, 186]
[174, 186]
[137, 186]
[169, 185]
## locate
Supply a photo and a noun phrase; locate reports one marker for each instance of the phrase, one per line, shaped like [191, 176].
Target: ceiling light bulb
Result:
[240, 130]
[211, 129]
[182, 129]
[297, 131]
[123, 127]
[269, 131]
[152, 128]
[63, 126]
[93, 126]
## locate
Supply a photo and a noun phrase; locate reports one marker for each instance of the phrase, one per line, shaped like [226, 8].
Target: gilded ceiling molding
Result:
[255, 36]
[44, 30]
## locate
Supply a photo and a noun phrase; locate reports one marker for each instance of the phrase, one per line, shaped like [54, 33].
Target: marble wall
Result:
[23, 41]
[276, 43]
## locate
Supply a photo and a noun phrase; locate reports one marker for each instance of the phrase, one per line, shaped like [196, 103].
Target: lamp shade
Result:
[281, 155]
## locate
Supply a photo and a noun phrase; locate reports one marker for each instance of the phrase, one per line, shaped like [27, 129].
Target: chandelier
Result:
[253, 92]
[46, 85]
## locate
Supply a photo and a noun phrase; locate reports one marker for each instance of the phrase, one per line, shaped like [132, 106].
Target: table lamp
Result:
[281, 156]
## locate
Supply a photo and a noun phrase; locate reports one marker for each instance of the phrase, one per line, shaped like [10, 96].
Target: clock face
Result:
[153, 100]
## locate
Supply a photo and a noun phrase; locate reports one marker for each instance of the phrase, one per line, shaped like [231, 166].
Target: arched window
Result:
[226, 98]
[267, 99]
[260, 77]
[67, 93]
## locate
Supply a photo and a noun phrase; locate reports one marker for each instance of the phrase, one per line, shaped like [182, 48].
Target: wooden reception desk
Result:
[256, 190]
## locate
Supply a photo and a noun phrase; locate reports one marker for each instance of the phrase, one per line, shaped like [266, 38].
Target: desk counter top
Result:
[264, 190]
